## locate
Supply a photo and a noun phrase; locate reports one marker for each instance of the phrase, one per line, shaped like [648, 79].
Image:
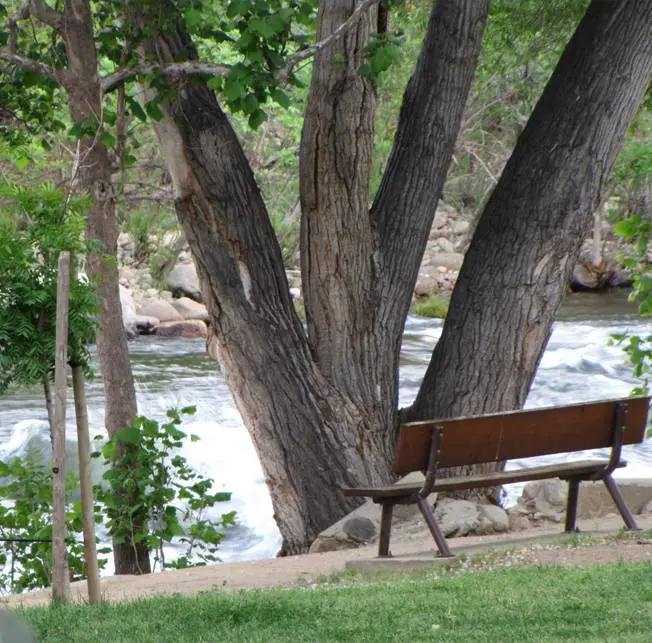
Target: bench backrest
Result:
[519, 434]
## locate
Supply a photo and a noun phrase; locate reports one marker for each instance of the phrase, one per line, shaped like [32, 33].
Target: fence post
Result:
[60, 578]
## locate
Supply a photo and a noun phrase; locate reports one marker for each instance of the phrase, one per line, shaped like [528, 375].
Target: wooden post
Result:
[86, 486]
[60, 579]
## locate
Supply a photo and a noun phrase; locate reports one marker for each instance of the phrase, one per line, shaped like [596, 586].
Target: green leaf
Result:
[237, 8]
[154, 111]
[129, 435]
[280, 97]
[135, 108]
[107, 139]
[257, 118]
[626, 228]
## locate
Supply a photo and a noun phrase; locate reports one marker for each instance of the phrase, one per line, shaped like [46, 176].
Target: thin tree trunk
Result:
[81, 82]
[86, 486]
[513, 278]
[60, 578]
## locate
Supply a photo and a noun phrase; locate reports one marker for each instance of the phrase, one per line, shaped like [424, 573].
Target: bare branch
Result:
[188, 68]
[48, 15]
[32, 65]
[309, 52]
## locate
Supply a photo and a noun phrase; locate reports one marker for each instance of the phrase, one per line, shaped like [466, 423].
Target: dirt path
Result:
[533, 546]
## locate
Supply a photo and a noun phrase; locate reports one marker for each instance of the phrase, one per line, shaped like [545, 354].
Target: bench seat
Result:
[582, 468]
[432, 445]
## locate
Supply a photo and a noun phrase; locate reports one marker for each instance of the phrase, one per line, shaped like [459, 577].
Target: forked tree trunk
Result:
[81, 82]
[514, 275]
[321, 408]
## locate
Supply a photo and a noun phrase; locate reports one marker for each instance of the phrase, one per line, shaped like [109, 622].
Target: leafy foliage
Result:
[148, 476]
[38, 224]
[25, 513]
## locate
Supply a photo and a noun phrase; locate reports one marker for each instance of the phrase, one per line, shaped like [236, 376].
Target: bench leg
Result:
[436, 532]
[571, 505]
[385, 529]
[620, 502]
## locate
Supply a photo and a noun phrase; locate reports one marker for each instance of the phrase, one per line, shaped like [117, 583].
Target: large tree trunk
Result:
[321, 408]
[515, 272]
[81, 82]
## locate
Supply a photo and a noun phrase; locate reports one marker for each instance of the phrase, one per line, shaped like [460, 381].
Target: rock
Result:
[185, 328]
[325, 543]
[583, 278]
[362, 525]
[587, 277]
[457, 517]
[294, 278]
[620, 278]
[145, 325]
[336, 536]
[425, 287]
[405, 513]
[184, 282]
[646, 510]
[360, 529]
[543, 500]
[493, 519]
[595, 501]
[461, 227]
[190, 309]
[160, 309]
[518, 523]
[128, 312]
[445, 245]
[451, 260]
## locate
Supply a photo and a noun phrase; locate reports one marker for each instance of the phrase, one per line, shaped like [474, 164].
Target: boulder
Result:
[445, 245]
[129, 316]
[425, 286]
[595, 501]
[184, 282]
[450, 260]
[542, 500]
[161, 310]
[457, 517]
[620, 278]
[364, 520]
[493, 520]
[185, 328]
[190, 309]
[362, 525]
[461, 227]
[646, 510]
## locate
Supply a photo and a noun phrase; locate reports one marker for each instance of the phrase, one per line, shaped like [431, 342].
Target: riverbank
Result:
[535, 546]
[170, 303]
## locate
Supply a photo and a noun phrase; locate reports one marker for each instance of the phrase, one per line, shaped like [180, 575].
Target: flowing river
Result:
[578, 365]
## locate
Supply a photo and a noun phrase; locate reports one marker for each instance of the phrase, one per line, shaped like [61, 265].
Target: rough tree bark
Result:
[82, 85]
[514, 275]
[320, 408]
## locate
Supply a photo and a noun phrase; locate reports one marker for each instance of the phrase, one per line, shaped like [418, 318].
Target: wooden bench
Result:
[434, 444]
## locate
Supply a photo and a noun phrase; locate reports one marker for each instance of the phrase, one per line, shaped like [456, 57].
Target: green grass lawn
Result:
[607, 603]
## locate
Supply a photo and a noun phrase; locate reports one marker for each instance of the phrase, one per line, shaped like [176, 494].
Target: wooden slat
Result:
[518, 434]
[564, 470]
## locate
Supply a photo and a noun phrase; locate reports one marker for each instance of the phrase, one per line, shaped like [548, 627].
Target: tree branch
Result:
[309, 52]
[32, 65]
[42, 11]
[188, 68]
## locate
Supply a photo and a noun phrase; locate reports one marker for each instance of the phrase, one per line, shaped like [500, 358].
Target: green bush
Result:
[435, 306]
